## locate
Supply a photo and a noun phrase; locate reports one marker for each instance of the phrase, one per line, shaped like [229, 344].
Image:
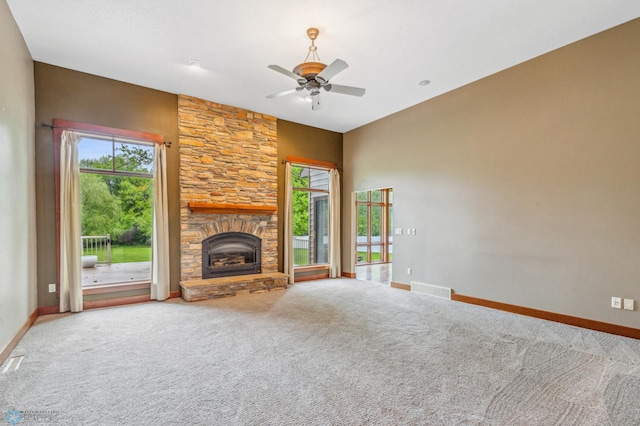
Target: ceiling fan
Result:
[314, 75]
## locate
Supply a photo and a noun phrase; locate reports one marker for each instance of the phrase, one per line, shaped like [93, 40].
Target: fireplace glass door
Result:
[231, 253]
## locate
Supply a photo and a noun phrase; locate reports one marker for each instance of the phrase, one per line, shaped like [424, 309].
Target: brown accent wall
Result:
[228, 156]
[71, 95]
[523, 186]
[298, 140]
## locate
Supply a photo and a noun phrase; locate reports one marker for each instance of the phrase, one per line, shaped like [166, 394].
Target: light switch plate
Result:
[52, 288]
[398, 231]
[629, 304]
[616, 302]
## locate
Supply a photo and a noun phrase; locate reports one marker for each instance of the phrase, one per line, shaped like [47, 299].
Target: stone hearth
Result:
[214, 288]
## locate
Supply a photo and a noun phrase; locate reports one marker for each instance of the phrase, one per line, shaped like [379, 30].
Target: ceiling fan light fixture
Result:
[308, 70]
[313, 75]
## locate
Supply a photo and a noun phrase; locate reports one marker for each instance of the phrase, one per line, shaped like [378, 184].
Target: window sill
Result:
[112, 288]
[311, 268]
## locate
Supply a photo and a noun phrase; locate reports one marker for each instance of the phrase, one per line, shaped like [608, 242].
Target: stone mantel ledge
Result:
[221, 208]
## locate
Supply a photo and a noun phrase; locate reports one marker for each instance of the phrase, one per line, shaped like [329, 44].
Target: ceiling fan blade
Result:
[334, 68]
[315, 101]
[345, 90]
[284, 93]
[283, 71]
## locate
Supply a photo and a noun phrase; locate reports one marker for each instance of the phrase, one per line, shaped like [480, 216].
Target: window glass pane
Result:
[362, 224]
[319, 179]
[133, 157]
[376, 253]
[376, 196]
[390, 196]
[95, 153]
[116, 221]
[390, 223]
[376, 226]
[300, 213]
[363, 255]
[310, 228]
[320, 227]
[301, 252]
[299, 177]
[362, 196]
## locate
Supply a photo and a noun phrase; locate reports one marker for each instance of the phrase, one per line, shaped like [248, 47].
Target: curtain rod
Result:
[51, 126]
[312, 165]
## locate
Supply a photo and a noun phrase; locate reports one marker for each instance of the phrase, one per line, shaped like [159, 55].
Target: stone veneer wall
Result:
[227, 155]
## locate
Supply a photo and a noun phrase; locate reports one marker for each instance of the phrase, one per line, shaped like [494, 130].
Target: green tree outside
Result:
[118, 205]
[99, 208]
[300, 202]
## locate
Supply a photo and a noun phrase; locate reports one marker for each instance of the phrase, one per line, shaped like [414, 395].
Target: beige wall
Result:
[297, 140]
[523, 186]
[76, 96]
[17, 187]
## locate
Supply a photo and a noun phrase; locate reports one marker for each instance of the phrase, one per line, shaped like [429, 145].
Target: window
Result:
[116, 196]
[106, 156]
[310, 203]
[374, 242]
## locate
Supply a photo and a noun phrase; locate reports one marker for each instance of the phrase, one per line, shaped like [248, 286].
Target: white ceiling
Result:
[389, 45]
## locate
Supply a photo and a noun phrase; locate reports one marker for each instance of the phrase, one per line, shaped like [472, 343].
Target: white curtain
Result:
[288, 223]
[70, 233]
[335, 266]
[160, 279]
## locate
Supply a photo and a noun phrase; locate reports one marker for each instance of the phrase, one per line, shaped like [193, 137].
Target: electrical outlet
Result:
[413, 231]
[52, 288]
[616, 302]
[408, 271]
[408, 231]
[629, 304]
[398, 231]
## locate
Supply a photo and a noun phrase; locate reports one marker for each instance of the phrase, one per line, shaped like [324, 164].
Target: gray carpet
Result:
[330, 352]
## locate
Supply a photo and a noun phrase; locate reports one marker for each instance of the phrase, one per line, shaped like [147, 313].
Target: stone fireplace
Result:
[228, 186]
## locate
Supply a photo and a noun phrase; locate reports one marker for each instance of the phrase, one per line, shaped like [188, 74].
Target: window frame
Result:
[385, 218]
[60, 125]
[309, 190]
[312, 164]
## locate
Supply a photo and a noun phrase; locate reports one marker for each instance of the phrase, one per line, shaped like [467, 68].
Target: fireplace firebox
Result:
[231, 253]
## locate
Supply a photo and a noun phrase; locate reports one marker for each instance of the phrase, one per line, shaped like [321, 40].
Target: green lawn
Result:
[125, 254]
[375, 257]
[300, 256]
